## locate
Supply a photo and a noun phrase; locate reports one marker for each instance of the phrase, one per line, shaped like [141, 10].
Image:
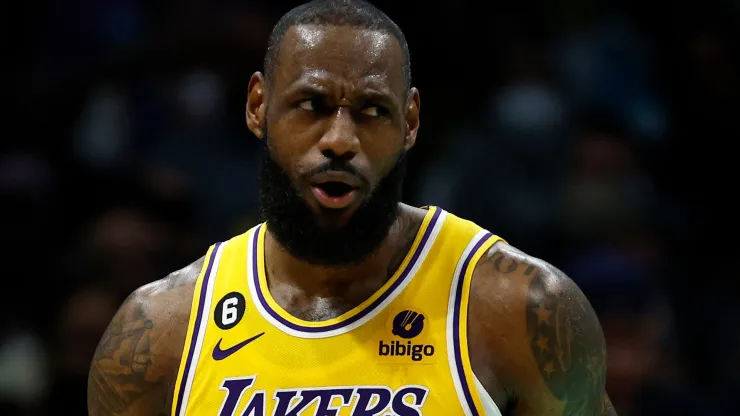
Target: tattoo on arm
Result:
[121, 372]
[567, 343]
[134, 365]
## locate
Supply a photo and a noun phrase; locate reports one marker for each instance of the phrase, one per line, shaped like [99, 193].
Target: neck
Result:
[311, 280]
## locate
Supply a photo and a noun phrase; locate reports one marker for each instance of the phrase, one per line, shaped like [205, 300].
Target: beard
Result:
[300, 231]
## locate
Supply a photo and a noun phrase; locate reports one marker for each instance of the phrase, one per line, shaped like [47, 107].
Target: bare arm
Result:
[551, 353]
[135, 364]
[568, 344]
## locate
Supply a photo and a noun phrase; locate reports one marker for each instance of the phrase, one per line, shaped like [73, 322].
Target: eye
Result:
[374, 111]
[314, 105]
[307, 105]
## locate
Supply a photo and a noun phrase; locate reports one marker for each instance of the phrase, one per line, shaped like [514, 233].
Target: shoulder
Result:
[135, 365]
[507, 289]
[170, 293]
[521, 279]
[538, 331]
[524, 278]
[165, 304]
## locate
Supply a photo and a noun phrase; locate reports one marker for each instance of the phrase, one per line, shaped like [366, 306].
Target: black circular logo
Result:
[408, 324]
[229, 310]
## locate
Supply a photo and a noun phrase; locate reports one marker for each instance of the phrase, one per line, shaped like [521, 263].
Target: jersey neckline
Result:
[358, 315]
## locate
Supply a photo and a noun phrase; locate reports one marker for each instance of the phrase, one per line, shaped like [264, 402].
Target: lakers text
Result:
[320, 401]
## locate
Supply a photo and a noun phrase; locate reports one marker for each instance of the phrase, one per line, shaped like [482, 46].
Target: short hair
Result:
[354, 13]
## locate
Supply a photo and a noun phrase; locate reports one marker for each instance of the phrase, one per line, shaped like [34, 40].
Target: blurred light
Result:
[102, 135]
[22, 369]
[529, 108]
[201, 93]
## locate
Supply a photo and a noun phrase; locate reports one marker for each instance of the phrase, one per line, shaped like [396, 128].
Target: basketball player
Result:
[346, 301]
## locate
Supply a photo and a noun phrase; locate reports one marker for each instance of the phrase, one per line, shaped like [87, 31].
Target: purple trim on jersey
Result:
[456, 329]
[196, 329]
[404, 274]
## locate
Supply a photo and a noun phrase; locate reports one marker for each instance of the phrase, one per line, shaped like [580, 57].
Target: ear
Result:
[256, 102]
[412, 118]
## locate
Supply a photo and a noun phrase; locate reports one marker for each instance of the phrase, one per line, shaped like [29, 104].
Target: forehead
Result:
[343, 54]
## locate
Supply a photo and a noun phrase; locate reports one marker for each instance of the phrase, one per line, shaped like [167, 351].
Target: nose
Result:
[340, 139]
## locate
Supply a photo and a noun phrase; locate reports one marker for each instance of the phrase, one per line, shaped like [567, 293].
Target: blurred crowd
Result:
[594, 135]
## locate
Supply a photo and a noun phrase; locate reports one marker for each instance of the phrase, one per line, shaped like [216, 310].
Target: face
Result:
[336, 122]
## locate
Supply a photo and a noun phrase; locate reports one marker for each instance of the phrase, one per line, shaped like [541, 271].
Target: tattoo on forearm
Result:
[121, 370]
[568, 346]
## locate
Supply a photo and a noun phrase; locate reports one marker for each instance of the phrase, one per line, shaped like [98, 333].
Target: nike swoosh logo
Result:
[219, 354]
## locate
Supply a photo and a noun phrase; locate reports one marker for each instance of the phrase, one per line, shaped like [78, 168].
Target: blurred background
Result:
[594, 134]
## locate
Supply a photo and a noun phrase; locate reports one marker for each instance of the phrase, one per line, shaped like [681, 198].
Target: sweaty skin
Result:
[535, 342]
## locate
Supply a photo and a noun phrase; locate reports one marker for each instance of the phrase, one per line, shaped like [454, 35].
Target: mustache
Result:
[334, 164]
[337, 165]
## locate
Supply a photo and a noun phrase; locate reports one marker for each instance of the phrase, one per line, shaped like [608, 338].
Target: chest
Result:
[401, 351]
[396, 360]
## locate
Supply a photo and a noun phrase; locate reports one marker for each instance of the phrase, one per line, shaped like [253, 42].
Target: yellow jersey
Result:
[403, 351]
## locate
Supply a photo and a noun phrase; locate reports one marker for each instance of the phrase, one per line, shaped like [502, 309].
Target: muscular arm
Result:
[135, 364]
[567, 343]
[554, 362]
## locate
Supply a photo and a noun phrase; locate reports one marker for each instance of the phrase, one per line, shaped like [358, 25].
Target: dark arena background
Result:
[594, 134]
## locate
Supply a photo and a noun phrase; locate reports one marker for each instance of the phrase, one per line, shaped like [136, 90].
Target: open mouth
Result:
[335, 189]
[334, 194]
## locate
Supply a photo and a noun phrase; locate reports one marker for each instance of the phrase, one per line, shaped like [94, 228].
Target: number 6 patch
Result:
[229, 310]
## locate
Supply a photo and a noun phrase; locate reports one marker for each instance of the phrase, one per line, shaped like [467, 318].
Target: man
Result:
[346, 301]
